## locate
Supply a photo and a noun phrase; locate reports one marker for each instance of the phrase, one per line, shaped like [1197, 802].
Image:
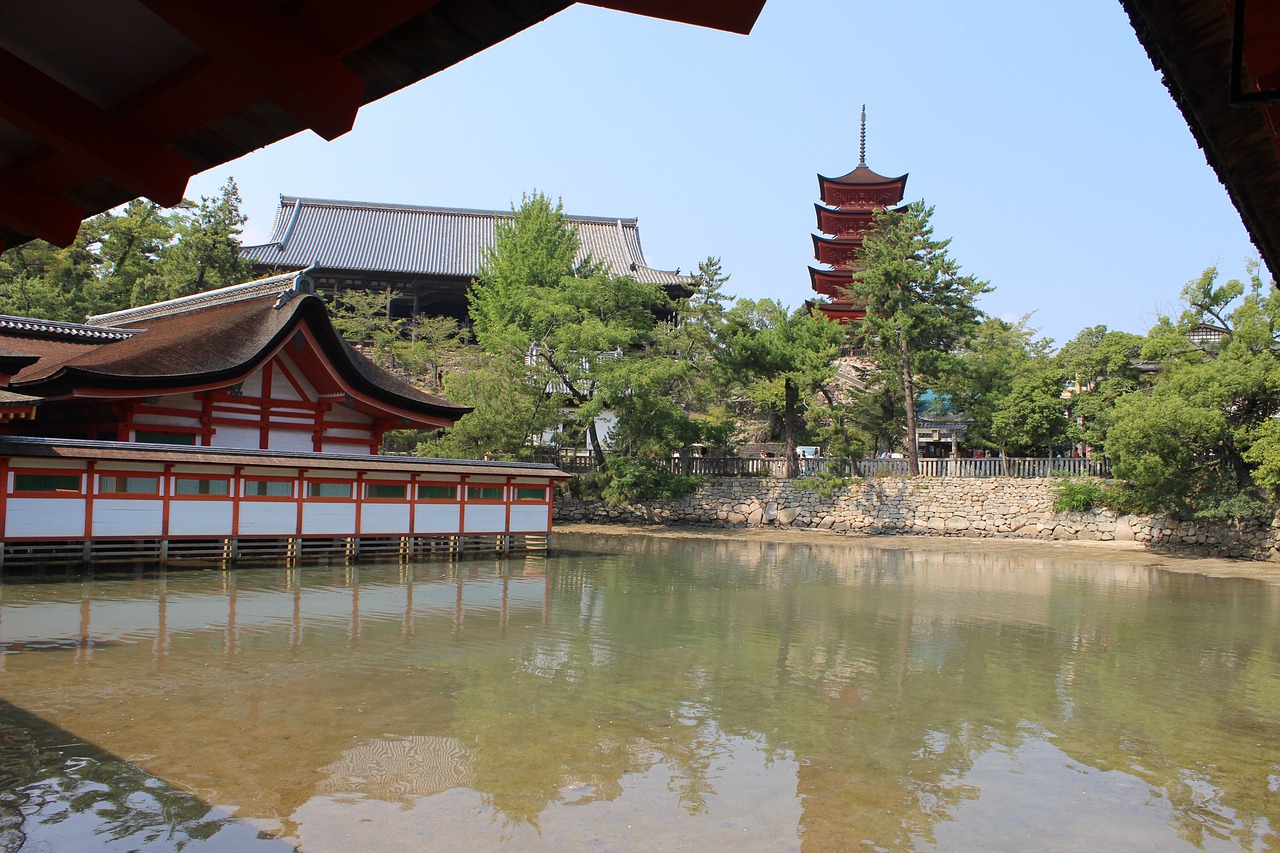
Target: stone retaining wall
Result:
[920, 506]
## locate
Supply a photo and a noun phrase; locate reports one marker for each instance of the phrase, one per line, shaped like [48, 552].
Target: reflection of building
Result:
[230, 420]
[428, 255]
[844, 215]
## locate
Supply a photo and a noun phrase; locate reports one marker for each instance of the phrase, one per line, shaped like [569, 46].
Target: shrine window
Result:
[484, 493]
[46, 483]
[200, 486]
[120, 484]
[437, 492]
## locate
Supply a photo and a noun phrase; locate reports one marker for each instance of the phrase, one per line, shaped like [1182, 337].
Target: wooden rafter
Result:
[69, 122]
[264, 71]
[274, 55]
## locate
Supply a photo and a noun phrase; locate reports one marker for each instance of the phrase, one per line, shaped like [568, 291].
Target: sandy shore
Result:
[1128, 551]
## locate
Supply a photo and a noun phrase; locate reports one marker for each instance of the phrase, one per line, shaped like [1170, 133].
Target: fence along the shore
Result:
[731, 466]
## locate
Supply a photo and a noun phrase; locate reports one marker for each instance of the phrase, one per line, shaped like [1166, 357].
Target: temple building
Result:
[230, 423]
[844, 215]
[427, 255]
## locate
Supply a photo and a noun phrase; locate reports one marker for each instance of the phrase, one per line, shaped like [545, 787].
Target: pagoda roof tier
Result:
[881, 192]
[837, 221]
[837, 252]
[830, 283]
[842, 312]
[863, 176]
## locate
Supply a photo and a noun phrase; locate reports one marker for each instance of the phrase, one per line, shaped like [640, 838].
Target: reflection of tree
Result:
[884, 675]
[48, 777]
[887, 680]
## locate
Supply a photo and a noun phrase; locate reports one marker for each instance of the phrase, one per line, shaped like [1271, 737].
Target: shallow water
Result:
[634, 693]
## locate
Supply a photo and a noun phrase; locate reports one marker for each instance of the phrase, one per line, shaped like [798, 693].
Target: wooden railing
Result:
[1020, 467]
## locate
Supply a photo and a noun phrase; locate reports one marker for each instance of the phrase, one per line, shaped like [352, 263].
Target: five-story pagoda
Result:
[844, 215]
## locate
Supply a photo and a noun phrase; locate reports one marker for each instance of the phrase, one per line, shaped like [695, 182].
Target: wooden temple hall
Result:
[228, 425]
[426, 257]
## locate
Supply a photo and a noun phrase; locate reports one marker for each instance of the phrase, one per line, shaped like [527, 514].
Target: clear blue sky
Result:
[1056, 160]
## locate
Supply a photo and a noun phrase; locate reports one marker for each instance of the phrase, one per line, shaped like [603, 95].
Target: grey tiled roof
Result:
[73, 330]
[426, 241]
[249, 290]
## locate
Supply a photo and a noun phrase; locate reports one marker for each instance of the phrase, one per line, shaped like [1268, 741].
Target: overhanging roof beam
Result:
[270, 53]
[38, 212]
[735, 16]
[339, 27]
[65, 120]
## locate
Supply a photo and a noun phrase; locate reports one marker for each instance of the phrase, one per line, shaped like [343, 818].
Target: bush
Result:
[631, 480]
[825, 483]
[1076, 495]
[1244, 504]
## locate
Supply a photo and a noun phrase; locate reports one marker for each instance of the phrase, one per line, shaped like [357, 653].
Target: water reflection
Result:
[648, 693]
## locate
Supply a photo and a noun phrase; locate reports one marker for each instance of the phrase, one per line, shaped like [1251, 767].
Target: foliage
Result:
[433, 345]
[1100, 366]
[826, 484]
[1032, 415]
[1077, 495]
[205, 253]
[981, 376]
[919, 308]
[574, 328]
[633, 479]
[364, 316]
[139, 254]
[839, 429]
[765, 344]
[509, 413]
[1197, 441]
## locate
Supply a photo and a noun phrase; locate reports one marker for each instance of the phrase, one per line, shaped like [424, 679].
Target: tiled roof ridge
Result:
[234, 293]
[422, 208]
[59, 328]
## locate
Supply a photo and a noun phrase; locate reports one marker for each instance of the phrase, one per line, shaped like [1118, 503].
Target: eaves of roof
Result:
[418, 240]
[111, 101]
[216, 344]
[1189, 43]
[142, 452]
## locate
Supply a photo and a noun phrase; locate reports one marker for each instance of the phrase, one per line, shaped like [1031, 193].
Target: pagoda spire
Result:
[862, 140]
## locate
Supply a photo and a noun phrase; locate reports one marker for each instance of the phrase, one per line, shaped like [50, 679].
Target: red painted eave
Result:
[735, 16]
[98, 108]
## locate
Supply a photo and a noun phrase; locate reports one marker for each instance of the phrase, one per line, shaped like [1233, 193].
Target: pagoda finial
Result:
[862, 143]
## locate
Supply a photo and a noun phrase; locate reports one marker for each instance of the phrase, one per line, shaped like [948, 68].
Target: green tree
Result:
[510, 412]
[673, 391]
[579, 331]
[1202, 435]
[1101, 366]
[434, 344]
[130, 244]
[982, 375]
[206, 254]
[1032, 415]
[918, 305]
[364, 316]
[766, 344]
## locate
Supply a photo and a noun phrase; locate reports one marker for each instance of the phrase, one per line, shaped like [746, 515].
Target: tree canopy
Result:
[134, 256]
[919, 307]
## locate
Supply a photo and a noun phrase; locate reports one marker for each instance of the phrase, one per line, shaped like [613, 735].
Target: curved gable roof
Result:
[218, 338]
